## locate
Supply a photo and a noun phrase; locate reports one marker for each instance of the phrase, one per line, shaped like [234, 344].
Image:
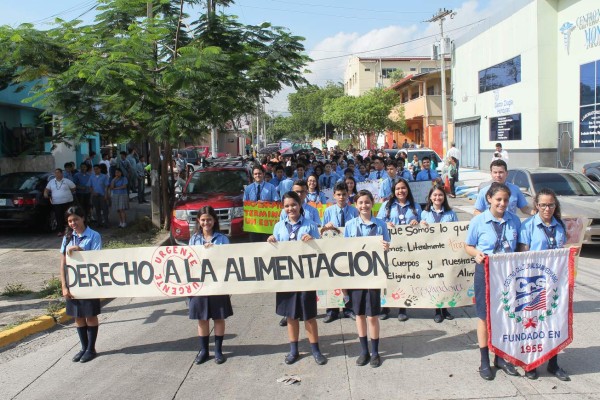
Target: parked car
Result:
[22, 202]
[220, 185]
[420, 152]
[592, 171]
[578, 195]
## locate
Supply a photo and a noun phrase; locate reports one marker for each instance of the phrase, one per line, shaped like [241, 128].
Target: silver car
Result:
[578, 195]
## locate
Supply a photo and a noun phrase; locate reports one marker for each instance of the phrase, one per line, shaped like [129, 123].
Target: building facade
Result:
[529, 78]
[365, 73]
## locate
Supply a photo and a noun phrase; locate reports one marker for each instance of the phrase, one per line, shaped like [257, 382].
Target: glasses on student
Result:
[543, 206]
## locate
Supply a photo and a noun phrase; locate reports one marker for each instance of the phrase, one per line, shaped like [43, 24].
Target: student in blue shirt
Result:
[544, 231]
[494, 231]
[379, 172]
[259, 190]
[314, 194]
[385, 190]
[366, 303]
[403, 172]
[438, 210]
[300, 173]
[352, 191]
[120, 197]
[278, 176]
[99, 186]
[82, 184]
[80, 237]
[301, 189]
[362, 174]
[204, 308]
[499, 172]
[427, 173]
[337, 215]
[399, 210]
[286, 184]
[329, 178]
[296, 305]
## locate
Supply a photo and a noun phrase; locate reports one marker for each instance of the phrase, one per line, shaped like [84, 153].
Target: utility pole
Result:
[440, 16]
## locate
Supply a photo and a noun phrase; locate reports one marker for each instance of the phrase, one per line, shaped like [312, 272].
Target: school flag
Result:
[530, 304]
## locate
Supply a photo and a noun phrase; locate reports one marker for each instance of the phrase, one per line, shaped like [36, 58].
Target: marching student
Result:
[379, 172]
[544, 231]
[493, 231]
[366, 303]
[363, 173]
[399, 210]
[314, 194]
[438, 210]
[120, 197]
[352, 191]
[296, 305]
[80, 237]
[204, 308]
[337, 215]
[259, 190]
[427, 173]
[385, 190]
[286, 184]
[329, 178]
[278, 176]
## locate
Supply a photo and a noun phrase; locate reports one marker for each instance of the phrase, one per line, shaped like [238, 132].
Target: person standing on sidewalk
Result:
[297, 305]
[82, 182]
[120, 198]
[205, 308]
[60, 190]
[80, 237]
[99, 184]
[454, 152]
[140, 169]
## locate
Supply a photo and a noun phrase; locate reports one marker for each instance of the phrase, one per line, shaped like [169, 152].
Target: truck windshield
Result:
[207, 182]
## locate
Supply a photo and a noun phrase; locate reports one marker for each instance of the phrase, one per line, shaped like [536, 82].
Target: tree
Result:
[370, 112]
[139, 73]
[306, 107]
[396, 76]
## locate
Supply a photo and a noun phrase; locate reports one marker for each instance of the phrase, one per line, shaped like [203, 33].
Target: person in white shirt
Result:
[60, 191]
[500, 154]
[454, 152]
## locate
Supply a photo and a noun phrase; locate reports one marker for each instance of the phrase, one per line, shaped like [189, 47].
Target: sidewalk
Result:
[31, 259]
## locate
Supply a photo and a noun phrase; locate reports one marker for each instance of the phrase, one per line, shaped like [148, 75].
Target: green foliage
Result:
[52, 289]
[15, 289]
[396, 76]
[306, 107]
[367, 113]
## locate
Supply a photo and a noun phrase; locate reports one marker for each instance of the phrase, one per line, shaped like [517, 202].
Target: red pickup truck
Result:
[220, 186]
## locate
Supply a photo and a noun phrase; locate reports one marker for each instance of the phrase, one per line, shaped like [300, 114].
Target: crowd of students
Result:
[495, 229]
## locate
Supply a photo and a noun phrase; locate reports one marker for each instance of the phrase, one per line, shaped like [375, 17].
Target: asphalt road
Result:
[147, 346]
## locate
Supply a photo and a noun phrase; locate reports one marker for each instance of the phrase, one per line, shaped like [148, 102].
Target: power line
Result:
[395, 45]
[74, 8]
[350, 8]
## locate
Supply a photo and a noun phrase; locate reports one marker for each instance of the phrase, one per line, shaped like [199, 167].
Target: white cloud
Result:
[327, 68]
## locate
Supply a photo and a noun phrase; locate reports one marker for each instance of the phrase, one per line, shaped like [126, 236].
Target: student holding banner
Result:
[296, 305]
[438, 210]
[314, 194]
[399, 210]
[259, 190]
[366, 303]
[494, 231]
[204, 308]
[337, 216]
[80, 237]
[544, 231]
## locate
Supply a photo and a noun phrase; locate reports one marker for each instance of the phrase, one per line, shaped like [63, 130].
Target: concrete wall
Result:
[27, 163]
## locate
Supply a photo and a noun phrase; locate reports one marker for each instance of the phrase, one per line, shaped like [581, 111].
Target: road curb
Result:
[45, 322]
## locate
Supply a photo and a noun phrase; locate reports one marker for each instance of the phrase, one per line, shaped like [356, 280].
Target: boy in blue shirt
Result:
[329, 178]
[427, 173]
[286, 184]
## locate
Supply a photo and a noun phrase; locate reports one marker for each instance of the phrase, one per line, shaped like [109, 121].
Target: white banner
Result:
[428, 268]
[530, 304]
[227, 269]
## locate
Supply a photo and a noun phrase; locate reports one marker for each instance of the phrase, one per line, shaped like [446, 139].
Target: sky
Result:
[334, 30]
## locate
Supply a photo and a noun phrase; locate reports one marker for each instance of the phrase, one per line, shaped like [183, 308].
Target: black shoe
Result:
[219, 358]
[383, 316]
[78, 356]
[375, 361]
[330, 318]
[533, 375]
[350, 314]
[438, 318]
[447, 315]
[283, 321]
[507, 367]
[88, 356]
[560, 374]
[320, 358]
[291, 358]
[201, 358]
[363, 359]
[402, 317]
[486, 373]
